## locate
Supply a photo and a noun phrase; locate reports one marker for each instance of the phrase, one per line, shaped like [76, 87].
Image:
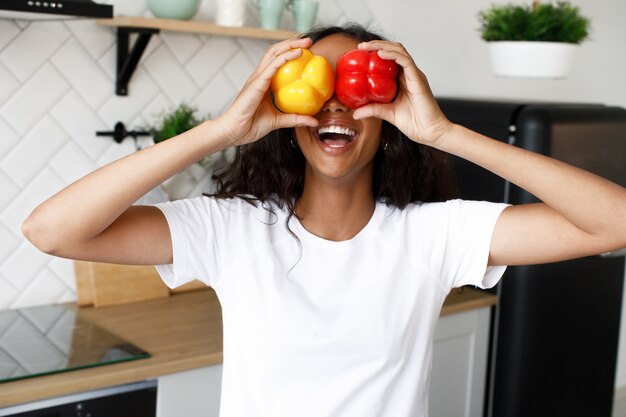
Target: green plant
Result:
[174, 123]
[540, 22]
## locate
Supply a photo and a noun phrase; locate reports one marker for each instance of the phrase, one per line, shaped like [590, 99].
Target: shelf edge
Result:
[191, 26]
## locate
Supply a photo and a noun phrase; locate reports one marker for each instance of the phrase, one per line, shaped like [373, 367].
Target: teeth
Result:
[337, 129]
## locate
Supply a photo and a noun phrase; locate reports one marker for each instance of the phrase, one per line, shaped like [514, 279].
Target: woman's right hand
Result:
[253, 115]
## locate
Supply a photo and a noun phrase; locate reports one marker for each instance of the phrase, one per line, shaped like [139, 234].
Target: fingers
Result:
[380, 111]
[276, 56]
[279, 48]
[278, 61]
[398, 53]
[284, 120]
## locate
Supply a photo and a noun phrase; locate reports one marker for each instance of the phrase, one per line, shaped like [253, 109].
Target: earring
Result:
[385, 146]
[293, 143]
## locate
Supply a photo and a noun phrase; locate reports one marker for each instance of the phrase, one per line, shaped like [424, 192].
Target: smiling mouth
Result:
[336, 136]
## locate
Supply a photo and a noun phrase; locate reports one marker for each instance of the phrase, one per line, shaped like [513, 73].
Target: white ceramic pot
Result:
[531, 59]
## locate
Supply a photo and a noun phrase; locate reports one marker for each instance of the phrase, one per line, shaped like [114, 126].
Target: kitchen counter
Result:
[181, 333]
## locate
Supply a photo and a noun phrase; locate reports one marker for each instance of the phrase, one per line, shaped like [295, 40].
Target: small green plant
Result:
[540, 22]
[178, 121]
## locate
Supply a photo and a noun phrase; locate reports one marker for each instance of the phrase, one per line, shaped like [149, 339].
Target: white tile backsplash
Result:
[77, 118]
[20, 56]
[171, 76]
[23, 265]
[9, 189]
[96, 40]
[30, 153]
[71, 163]
[43, 287]
[82, 73]
[211, 58]
[253, 48]
[8, 31]
[356, 10]
[216, 95]
[34, 98]
[183, 45]
[141, 91]
[63, 269]
[8, 242]
[57, 89]
[238, 69]
[41, 187]
[9, 83]
[8, 138]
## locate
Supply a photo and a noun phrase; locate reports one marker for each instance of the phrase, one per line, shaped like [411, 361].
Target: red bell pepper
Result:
[363, 77]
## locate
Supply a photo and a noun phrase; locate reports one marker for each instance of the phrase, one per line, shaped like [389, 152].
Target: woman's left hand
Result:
[414, 110]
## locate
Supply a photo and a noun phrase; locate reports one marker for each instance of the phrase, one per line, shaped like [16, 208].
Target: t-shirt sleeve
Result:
[469, 229]
[195, 225]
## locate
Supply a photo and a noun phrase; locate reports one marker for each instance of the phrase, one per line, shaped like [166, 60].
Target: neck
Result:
[335, 211]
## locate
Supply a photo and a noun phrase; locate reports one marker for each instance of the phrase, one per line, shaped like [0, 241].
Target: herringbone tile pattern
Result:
[57, 89]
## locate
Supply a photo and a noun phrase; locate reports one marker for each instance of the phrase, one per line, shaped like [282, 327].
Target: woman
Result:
[332, 315]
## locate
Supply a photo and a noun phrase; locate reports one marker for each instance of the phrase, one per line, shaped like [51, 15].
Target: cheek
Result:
[374, 129]
[302, 133]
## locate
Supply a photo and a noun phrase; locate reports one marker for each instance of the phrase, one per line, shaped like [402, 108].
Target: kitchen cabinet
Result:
[459, 368]
[194, 393]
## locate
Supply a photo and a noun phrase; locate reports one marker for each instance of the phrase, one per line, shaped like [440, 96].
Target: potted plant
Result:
[195, 178]
[536, 41]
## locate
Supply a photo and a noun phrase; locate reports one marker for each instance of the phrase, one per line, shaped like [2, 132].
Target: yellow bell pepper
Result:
[303, 85]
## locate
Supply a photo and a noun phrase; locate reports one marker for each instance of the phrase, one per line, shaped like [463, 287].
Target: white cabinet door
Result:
[457, 383]
[193, 393]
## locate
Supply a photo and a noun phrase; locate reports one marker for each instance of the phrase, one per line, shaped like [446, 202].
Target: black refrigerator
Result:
[555, 328]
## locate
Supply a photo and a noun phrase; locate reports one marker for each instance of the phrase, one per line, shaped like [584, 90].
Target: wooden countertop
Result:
[181, 332]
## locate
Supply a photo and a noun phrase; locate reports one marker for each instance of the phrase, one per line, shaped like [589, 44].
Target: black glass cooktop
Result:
[46, 340]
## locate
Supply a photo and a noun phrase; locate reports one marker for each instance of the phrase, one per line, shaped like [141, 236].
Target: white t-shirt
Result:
[329, 329]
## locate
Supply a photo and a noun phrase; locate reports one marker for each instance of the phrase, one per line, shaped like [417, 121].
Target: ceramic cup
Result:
[304, 14]
[270, 12]
[174, 9]
[231, 12]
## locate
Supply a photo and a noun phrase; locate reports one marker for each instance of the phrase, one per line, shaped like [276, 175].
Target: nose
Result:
[333, 105]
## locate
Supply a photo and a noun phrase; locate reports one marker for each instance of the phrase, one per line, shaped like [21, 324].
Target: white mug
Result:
[231, 12]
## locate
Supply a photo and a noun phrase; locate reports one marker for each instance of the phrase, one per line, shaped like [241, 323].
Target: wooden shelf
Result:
[128, 56]
[195, 27]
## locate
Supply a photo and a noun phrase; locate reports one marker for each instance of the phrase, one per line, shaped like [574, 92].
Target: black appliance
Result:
[556, 326]
[53, 9]
[138, 399]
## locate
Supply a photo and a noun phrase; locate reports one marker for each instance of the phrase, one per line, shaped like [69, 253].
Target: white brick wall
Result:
[57, 90]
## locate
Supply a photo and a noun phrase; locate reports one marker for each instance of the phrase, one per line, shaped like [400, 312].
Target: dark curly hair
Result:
[270, 170]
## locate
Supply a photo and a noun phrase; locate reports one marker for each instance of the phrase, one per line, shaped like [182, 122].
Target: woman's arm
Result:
[93, 219]
[581, 214]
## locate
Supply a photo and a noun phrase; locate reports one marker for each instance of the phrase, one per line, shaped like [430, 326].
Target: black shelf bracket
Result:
[127, 58]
